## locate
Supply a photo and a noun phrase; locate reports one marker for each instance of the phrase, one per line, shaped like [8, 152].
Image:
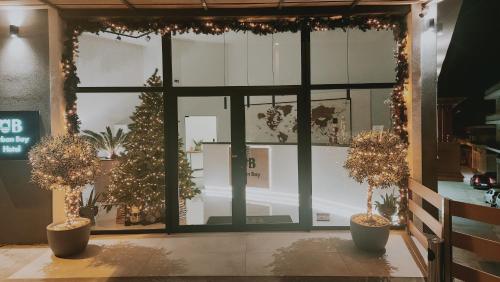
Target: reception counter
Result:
[272, 184]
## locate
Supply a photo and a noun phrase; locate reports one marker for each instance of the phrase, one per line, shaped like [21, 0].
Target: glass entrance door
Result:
[237, 162]
[205, 189]
[272, 186]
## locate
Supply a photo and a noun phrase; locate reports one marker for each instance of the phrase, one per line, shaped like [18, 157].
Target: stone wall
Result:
[25, 210]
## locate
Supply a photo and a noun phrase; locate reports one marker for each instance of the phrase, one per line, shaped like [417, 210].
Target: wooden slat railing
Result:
[426, 218]
[475, 212]
[430, 196]
[421, 238]
[466, 273]
[424, 239]
[484, 248]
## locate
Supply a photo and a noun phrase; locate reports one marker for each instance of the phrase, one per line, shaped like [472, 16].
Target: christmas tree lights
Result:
[66, 163]
[139, 179]
[378, 158]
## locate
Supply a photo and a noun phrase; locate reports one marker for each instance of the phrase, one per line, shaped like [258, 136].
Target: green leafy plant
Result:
[106, 140]
[90, 209]
[197, 144]
[388, 206]
[92, 200]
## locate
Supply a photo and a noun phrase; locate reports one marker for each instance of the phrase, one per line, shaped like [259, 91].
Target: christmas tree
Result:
[138, 181]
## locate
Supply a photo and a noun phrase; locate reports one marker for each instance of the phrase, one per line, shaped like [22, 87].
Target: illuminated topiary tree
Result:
[139, 179]
[65, 163]
[379, 158]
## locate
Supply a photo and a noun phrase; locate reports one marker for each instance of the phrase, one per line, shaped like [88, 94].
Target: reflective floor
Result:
[303, 254]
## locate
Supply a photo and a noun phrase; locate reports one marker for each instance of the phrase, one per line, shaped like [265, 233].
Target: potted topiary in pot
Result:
[378, 158]
[66, 163]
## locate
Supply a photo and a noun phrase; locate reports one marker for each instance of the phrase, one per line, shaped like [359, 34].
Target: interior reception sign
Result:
[19, 131]
[258, 167]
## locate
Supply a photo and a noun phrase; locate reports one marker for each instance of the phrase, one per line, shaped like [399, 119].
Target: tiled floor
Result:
[260, 255]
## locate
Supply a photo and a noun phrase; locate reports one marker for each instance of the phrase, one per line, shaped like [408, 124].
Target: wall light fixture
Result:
[14, 30]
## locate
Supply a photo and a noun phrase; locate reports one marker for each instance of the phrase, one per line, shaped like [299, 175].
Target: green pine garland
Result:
[163, 26]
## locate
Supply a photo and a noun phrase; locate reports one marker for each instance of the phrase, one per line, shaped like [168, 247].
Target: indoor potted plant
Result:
[388, 206]
[66, 163]
[106, 141]
[379, 158]
[89, 209]
[112, 145]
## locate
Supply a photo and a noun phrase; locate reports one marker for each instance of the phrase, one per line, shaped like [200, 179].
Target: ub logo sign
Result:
[19, 131]
[11, 126]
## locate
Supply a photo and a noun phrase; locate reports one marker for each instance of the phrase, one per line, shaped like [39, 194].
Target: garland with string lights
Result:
[162, 26]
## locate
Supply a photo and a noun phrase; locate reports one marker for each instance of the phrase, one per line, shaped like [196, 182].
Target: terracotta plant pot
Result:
[370, 237]
[68, 242]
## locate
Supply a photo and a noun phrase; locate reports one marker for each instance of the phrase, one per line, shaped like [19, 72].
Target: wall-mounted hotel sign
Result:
[19, 131]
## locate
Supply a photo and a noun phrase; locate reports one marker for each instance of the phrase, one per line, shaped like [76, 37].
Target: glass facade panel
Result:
[131, 185]
[330, 117]
[352, 56]
[336, 196]
[236, 59]
[328, 57]
[205, 129]
[270, 126]
[272, 171]
[105, 61]
[371, 56]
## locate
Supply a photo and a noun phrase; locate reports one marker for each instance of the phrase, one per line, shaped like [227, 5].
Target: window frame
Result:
[237, 93]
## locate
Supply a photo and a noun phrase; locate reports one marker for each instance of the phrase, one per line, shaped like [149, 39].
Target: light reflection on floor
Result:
[216, 254]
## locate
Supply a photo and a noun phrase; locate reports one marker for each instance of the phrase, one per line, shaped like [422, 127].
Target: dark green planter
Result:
[66, 243]
[369, 238]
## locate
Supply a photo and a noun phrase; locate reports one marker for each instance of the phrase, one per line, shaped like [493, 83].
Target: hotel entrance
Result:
[243, 131]
[247, 177]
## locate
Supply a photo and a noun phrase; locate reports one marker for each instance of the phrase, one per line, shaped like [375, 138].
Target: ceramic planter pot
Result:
[367, 237]
[68, 242]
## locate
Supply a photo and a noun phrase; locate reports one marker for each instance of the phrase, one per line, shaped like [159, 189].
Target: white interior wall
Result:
[105, 61]
[198, 60]
[236, 59]
[239, 58]
[206, 106]
[334, 191]
[371, 56]
[328, 57]
[361, 113]
[98, 110]
[380, 109]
